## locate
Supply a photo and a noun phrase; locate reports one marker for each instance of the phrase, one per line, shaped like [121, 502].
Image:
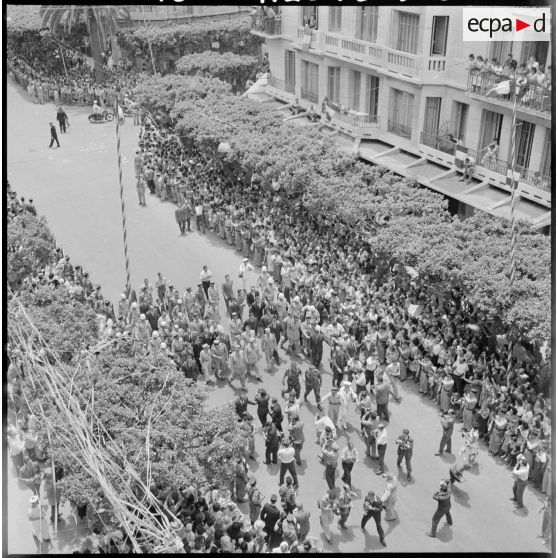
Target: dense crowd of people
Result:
[318, 283]
[75, 83]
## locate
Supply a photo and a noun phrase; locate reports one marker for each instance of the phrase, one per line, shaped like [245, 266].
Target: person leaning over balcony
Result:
[296, 107]
[477, 68]
[490, 154]
[468, 169]
[510, 64]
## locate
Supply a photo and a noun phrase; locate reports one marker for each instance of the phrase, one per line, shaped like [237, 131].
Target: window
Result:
[405, 31]
[334, 18]
[400, 112]
[290, 68]
[367, 23]
[432, 116]
[372, 92]
[459, 119]
[491, 128]
[333, 83]
[500, 50]
[310, 86]
[354, 90]
[439, 40]
[546, 161]
[523, 143]
[309, 14]
[538, 49]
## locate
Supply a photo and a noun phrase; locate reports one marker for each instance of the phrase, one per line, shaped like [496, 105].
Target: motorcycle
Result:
[105, 116]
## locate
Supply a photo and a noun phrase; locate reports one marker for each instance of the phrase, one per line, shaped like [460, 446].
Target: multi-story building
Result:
[395, 85]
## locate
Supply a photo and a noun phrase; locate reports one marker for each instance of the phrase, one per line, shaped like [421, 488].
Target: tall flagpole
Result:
[122, 205]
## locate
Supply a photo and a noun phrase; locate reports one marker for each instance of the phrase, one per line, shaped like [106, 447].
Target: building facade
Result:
[390, 77]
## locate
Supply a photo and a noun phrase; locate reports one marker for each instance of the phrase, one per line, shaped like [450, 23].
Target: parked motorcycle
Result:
[105, 116]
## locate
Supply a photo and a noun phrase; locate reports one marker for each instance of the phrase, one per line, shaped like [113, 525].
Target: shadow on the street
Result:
[445, 534]
[461, 497]
[392, 525]
[448, 458]
[522, 512]
[346, 535]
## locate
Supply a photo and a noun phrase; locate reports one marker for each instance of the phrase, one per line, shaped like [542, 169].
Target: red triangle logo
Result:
[519, 25]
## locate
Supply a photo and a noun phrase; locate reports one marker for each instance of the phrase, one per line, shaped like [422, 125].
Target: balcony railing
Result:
[505, 88]
[535, 179]
[280, 84]
[399, 129]
[269, 25]
[436, 141]
[336, 114]
[309, 95]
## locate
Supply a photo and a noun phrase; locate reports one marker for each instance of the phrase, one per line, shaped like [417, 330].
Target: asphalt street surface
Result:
[76, 189]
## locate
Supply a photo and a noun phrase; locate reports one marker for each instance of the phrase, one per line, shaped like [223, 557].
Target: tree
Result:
[65, 324]
[101, 22]
[229, 67]
[30, 246]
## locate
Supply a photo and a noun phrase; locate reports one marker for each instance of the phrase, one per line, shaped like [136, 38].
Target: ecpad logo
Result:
[501, 24]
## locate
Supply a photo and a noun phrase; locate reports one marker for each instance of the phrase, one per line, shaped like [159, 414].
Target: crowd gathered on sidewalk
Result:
[319, 283]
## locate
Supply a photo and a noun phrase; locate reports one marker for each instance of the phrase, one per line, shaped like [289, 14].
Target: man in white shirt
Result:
[349, 457]
[286, 455]
[205, 278]
[381, 444]
[520, 473]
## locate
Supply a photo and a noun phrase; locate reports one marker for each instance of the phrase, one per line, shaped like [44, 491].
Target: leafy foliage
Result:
[23, 17]
[30, 246]
[65, 324]
[197, 36]
[229, 67]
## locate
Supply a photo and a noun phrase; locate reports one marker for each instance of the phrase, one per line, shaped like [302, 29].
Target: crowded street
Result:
[76, 189]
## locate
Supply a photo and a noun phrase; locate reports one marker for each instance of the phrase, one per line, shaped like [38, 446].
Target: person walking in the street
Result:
[262, 400]
[349, 457]
[140, 188]
[180, 216]
[373, 509]
[448, 420]
[276, 413]
[292, 378]
[334, 403]
[443, 497]
[296, 430]
[345, 505]
[302, 518]
[62, 118]
[313, 381]
[381, 390]
[520, 474]
[368, 425]
[330, 453]
[205, 278]
[270, 514]
[287, 493]
[405, 451]
[381, 444]
[321, 423]
[328, 506]
[255, 498]
[286, 456]
[389, 497]
[269, 348]
[271, 443]
[346, 395]
[53, 135]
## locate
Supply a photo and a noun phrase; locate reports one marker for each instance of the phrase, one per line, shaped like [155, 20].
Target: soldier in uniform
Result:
[447, 421]
[316, 346]
[313, 380]
[345, 504]
[252, 355]
[220, 356]
[328, 506]
[292, 376]
[405, 451]
[255, 498]
[235, 327]
[237, 363]
[206, 362]
[269, 347]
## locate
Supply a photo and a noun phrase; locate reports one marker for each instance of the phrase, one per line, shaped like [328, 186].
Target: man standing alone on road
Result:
[53, 135]
[62, 118]
[443, 497]
[520, 473]
[447, 421]
[140, 187]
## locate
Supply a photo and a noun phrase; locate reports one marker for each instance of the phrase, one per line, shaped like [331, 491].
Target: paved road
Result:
[76, 188]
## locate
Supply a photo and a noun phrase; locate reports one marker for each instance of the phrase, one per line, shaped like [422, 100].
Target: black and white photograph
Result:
[278, 278]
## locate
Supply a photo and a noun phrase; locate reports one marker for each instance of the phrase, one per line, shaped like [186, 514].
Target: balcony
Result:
[272, 81]
[355, 124]
[534, 184]
[503, 90]
[266, 26]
